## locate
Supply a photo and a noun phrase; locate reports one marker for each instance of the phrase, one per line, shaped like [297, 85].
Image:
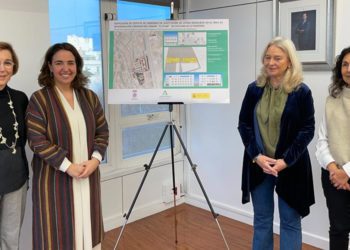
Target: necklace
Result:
[15, 128]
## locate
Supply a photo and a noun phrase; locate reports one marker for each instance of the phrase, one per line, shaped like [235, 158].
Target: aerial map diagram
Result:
[168, 61]
[138, 59]
[185, 52]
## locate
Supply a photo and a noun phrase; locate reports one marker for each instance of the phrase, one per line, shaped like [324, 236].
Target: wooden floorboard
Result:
[196, 229]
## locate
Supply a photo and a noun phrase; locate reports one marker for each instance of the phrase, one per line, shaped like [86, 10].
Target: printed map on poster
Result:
[169, 61]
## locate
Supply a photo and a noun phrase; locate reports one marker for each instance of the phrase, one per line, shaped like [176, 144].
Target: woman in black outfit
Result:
[13, 161]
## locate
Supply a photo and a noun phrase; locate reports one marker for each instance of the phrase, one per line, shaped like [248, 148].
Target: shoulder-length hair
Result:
[7, 46]
[45, 77]
[337, 85]
[294, 74]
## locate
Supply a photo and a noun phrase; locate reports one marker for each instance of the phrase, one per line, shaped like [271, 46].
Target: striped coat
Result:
[52, 192]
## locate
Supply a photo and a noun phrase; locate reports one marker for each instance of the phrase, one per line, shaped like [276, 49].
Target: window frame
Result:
[115, 165]
[157, 2]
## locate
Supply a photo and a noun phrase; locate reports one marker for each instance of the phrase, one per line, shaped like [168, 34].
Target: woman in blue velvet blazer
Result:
[276, 124]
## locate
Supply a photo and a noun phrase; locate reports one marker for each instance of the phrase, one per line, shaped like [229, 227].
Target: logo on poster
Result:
[134, 94]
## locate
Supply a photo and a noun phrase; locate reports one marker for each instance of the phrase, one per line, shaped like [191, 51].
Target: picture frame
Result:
[309, 24]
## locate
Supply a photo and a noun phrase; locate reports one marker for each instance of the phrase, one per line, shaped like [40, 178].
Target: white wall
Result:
[342, 38]
[214, 140]
[25, 25]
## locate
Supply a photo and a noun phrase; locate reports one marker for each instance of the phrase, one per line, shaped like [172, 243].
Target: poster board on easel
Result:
[183, 61]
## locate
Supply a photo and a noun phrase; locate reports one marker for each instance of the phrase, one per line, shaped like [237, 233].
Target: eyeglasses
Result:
[8, 64]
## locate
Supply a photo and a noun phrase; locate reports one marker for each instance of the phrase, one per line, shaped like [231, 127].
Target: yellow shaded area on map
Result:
[189, 60]
[181, 60]
[200, 95]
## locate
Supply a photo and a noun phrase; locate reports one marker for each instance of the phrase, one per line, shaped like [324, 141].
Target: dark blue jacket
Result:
[294, 184]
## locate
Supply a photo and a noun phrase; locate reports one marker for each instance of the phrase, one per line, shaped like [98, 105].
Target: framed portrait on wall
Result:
[309, 24]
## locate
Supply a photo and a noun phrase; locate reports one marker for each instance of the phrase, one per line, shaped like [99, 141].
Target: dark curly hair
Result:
[338, 83]
[45, 78]
[7, 46]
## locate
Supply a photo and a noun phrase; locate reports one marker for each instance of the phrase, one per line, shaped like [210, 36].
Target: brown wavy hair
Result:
[337, 85]
[45, 78]
[7, 46]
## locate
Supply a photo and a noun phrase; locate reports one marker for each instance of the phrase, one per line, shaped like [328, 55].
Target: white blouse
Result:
[323, 154]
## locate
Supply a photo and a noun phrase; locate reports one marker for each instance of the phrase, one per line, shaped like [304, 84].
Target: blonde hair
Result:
[294, 74]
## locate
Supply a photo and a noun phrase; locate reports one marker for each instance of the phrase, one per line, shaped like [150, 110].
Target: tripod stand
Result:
[172, 129]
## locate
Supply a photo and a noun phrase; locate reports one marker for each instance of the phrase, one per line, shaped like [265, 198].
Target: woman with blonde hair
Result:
[276, 124]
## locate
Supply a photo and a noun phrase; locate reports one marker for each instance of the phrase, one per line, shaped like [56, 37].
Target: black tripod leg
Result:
[193, 167]
[147, 167]
[173, 173]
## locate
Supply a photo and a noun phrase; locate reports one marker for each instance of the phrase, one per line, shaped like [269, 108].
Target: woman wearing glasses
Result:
[13, 161]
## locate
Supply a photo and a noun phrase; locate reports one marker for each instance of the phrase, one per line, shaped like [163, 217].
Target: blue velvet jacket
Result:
[294, 184]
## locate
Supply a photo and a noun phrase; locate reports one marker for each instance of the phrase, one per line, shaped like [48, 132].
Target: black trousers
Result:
[338, 203]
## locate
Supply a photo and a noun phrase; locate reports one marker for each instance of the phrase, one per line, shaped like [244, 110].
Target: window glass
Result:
[78, 22]
[129, 109]
[138, 11]
[142, 139]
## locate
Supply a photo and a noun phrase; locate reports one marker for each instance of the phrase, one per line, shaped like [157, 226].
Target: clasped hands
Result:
[338, 177]
[84, 169]
[270, 165]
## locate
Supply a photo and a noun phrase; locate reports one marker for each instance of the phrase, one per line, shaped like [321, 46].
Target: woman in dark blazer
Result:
[276, 124]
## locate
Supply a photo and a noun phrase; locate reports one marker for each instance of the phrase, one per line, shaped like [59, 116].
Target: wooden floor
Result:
[196, 229]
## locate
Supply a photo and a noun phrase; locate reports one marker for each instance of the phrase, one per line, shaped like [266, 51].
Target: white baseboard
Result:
[246, 217]
[137, 213]
[221, 209]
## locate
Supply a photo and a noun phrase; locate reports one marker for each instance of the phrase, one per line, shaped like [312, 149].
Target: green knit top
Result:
[269, 112]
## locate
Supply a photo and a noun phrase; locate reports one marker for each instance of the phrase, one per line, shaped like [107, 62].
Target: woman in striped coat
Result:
[68, 134]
